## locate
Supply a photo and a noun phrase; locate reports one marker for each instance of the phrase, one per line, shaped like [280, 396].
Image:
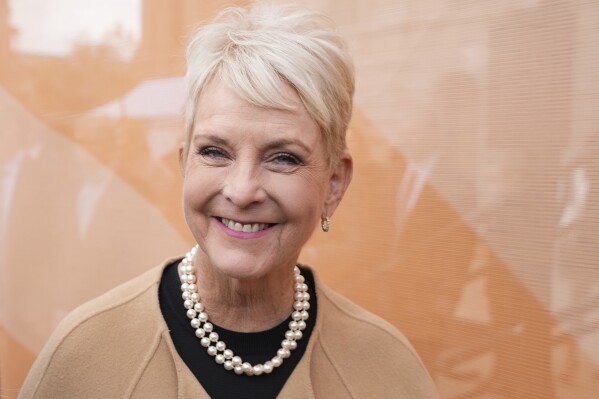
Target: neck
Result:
[246, 305]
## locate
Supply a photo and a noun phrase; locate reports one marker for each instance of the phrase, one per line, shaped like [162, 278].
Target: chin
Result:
[240, 272]
[241, 267]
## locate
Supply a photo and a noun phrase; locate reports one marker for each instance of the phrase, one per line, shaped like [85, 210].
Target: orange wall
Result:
[471, 223]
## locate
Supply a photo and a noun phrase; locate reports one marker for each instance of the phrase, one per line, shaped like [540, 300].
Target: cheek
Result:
[199, 181]
[195, 191]
[303, 196]
[190, 207]
[190, 193]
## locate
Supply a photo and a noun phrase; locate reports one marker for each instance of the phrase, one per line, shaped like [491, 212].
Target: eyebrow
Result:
[284, 142]
[281, 142]
[209, 136]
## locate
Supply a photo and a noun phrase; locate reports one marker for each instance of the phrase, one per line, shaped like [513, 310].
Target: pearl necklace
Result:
[209, 339]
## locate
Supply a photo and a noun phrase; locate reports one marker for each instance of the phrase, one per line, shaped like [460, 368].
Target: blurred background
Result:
[472, 223]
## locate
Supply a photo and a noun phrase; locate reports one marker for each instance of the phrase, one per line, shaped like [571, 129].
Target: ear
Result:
[339, 181]
[182, 158]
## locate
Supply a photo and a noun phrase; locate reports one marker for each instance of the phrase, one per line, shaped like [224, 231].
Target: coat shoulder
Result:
[107, 336]
[367, 353]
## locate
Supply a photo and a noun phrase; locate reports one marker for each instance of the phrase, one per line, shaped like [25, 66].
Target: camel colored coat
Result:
[118, 346]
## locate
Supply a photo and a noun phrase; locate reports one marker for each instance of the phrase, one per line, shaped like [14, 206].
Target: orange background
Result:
[472, 222]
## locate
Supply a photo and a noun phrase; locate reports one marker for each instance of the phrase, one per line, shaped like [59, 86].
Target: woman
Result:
[264, 161]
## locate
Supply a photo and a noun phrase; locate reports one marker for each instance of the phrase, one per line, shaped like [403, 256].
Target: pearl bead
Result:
[198, 307]
[301, 287]
[268, 367]
[210, 339]
[283, 353]
[276, 361]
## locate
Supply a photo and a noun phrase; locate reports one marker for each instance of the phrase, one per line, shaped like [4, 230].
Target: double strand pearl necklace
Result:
[209, 339]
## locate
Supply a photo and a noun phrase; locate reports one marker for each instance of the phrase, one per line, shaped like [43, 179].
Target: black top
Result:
[254, 348]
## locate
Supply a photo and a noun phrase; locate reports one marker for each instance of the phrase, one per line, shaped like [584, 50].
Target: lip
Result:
[240, 234]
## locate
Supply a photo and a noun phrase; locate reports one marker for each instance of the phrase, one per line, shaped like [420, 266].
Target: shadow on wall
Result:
[476, 326]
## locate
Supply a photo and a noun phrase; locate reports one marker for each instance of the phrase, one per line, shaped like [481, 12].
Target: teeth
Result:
[246, 228]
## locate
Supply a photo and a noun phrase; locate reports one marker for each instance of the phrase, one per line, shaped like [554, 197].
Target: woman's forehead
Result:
[219, 107]
[250, 94]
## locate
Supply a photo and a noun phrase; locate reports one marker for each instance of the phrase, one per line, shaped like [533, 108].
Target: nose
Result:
[243, 185]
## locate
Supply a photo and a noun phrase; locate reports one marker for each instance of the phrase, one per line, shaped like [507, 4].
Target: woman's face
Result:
[255, 183]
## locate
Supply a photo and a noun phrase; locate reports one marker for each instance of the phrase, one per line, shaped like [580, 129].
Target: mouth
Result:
[244, 227]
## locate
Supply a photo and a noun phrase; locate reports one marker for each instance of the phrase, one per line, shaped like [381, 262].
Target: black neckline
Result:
[255, 347]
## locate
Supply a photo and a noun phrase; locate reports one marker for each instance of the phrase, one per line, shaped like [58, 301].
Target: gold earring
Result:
[326, 223]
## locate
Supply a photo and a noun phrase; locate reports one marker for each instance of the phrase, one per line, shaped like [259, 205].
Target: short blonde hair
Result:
[254, 50]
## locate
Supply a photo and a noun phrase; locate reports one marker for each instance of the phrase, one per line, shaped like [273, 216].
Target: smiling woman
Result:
[264, 166]
[270, 97]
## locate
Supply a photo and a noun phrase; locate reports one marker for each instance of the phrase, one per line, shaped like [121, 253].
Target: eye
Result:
[284, 158]
[212, 152]
[213, 155]
[284, 162]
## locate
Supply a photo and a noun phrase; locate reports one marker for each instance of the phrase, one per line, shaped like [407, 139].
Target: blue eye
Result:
[212, 152]
[286, 159]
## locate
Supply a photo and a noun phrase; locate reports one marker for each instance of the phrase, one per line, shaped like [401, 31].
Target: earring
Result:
[326, 223]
